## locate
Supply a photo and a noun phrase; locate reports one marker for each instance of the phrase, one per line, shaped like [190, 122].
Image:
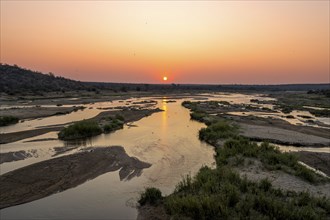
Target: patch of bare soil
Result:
[20, 135]
[37, 112]
[15, 156]
[42, 179]
[319, 161]
[129, 115]
[148, 212]
[282, 136]
[279, 123]
[255, 171]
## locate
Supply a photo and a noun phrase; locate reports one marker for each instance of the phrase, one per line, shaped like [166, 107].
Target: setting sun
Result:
[165, 78]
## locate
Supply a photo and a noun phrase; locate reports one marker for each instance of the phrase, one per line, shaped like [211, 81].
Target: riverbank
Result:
[33, 112]
[250, 180]
[274, 130]
[129, 115]
[55, 175]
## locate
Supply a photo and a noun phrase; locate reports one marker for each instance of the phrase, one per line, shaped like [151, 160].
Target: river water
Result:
[168, 140]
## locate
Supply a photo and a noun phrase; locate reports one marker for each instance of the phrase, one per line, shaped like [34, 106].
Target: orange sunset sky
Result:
[216, 42]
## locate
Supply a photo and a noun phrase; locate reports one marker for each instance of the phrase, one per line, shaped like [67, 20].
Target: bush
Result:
[265, 185]
[119, 117]
[218, 130]
[220, 194]
[8, 120]
[113, 125]
[79, 130]
[150, 196]
[198, 116]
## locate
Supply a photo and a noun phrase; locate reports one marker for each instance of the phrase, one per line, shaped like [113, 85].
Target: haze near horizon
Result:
[214, 42]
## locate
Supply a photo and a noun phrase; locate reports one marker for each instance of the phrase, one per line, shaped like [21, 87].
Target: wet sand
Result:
[42, 179]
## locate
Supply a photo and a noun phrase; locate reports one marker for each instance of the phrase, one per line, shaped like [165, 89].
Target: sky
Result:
[215, 42]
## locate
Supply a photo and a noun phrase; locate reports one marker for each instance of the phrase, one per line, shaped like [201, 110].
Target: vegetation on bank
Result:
[297, 101]
[89, 128]
[218, 130]
[150, 196]
[271, 158]
[113, 124]
[80, 130]
[8, 120]
[221, 193]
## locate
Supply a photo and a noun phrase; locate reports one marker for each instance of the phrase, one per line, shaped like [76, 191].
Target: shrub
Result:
[220, 194]
[198, 116]
[79, 130]
[265, 184]
[218, 130]
[119, 117]
[113, 125]
[150, 196]
[8, 120]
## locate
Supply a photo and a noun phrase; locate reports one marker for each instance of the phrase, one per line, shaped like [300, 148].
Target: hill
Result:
[14, 79]
[17, 80]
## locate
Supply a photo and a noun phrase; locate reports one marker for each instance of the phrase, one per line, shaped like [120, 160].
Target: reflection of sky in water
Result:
[168, 140]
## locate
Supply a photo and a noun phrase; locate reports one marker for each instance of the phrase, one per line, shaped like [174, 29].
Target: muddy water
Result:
[168, 140]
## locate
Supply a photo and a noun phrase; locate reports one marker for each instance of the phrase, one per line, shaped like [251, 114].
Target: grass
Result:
[8, 120]
[218, 130]
[238, 147]
[295, 101]
[222, 194]
[198, 116]
[190, 105]
[150, 196]
[114, 124]
[269, 155]
[80, 130]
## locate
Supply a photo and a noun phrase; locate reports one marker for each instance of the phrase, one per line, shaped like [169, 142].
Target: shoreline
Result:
[45, 178]
[129, 115]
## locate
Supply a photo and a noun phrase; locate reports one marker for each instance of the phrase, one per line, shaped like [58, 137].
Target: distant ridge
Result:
[15, 79]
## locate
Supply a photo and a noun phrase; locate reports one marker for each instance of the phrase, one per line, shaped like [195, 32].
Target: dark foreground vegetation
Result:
[8, 120]
[221, 193]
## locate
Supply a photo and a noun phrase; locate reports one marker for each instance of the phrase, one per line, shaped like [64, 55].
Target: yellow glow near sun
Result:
[165, 78]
